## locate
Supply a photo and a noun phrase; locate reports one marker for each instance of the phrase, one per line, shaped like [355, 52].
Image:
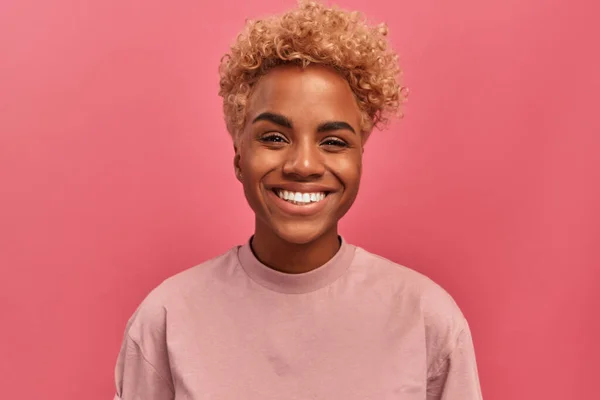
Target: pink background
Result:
[116, 172]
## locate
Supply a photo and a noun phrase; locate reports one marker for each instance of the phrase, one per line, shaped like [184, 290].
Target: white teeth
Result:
[302, 198]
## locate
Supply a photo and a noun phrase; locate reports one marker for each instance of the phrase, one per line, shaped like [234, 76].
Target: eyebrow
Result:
[285, 122]
[277, 119]
[335, 126]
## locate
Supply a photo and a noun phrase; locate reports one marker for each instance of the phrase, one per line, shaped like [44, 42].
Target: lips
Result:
[299, 197]
[298, 208]
[301, 187]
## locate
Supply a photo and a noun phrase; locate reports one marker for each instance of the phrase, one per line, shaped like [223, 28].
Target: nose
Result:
[304, 160]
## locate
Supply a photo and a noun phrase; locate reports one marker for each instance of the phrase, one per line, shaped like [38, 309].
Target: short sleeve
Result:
[136, 378]
[456, 378]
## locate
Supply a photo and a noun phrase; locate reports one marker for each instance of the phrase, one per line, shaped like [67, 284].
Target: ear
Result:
[365, 137]
[236, 163]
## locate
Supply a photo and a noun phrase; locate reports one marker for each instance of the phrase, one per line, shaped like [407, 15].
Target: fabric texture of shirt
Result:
[358, 327]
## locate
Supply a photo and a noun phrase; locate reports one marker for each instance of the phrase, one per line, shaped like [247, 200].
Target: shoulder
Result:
[442, 318]
[435, 302]
[179, 291]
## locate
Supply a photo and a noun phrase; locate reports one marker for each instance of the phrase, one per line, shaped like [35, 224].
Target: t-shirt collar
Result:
[296, 283]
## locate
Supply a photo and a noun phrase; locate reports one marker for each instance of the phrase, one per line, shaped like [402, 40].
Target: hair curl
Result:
[313, 33]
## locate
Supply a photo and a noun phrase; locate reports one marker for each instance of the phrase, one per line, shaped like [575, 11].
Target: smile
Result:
[300, 198]
[298, 204]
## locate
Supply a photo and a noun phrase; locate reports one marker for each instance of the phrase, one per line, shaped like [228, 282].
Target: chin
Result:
[300, 233]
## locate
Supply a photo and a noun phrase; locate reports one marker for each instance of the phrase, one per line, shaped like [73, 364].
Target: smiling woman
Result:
[297, 312]
[302, 140]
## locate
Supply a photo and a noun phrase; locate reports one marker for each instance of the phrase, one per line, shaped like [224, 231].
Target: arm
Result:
[456, 377]
[136, 378]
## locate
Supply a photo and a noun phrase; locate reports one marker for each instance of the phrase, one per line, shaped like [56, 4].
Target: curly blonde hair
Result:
[313, 33]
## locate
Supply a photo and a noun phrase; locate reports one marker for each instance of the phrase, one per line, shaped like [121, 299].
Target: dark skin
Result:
[302, 134]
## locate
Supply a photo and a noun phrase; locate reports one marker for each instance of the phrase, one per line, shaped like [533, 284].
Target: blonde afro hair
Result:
[313, 33]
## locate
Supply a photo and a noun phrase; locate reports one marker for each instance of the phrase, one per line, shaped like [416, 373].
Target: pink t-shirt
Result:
[358, 327]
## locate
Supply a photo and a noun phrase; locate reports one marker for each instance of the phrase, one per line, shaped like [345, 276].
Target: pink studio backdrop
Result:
[116, 172]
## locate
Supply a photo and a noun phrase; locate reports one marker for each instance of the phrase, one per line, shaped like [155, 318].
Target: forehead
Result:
[311, 93]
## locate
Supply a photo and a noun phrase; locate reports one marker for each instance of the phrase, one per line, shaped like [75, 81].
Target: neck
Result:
[294, 258]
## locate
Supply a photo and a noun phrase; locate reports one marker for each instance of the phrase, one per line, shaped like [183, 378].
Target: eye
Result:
[334, 142]
[273, 138]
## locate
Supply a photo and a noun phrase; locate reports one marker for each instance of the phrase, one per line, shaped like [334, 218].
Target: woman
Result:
[297, 312]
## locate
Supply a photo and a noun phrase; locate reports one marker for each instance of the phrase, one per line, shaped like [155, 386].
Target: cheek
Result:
[349, 171]
[259, 163]
[255, 164]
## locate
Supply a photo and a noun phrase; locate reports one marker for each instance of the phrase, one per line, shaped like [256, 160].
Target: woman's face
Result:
[300, 153]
